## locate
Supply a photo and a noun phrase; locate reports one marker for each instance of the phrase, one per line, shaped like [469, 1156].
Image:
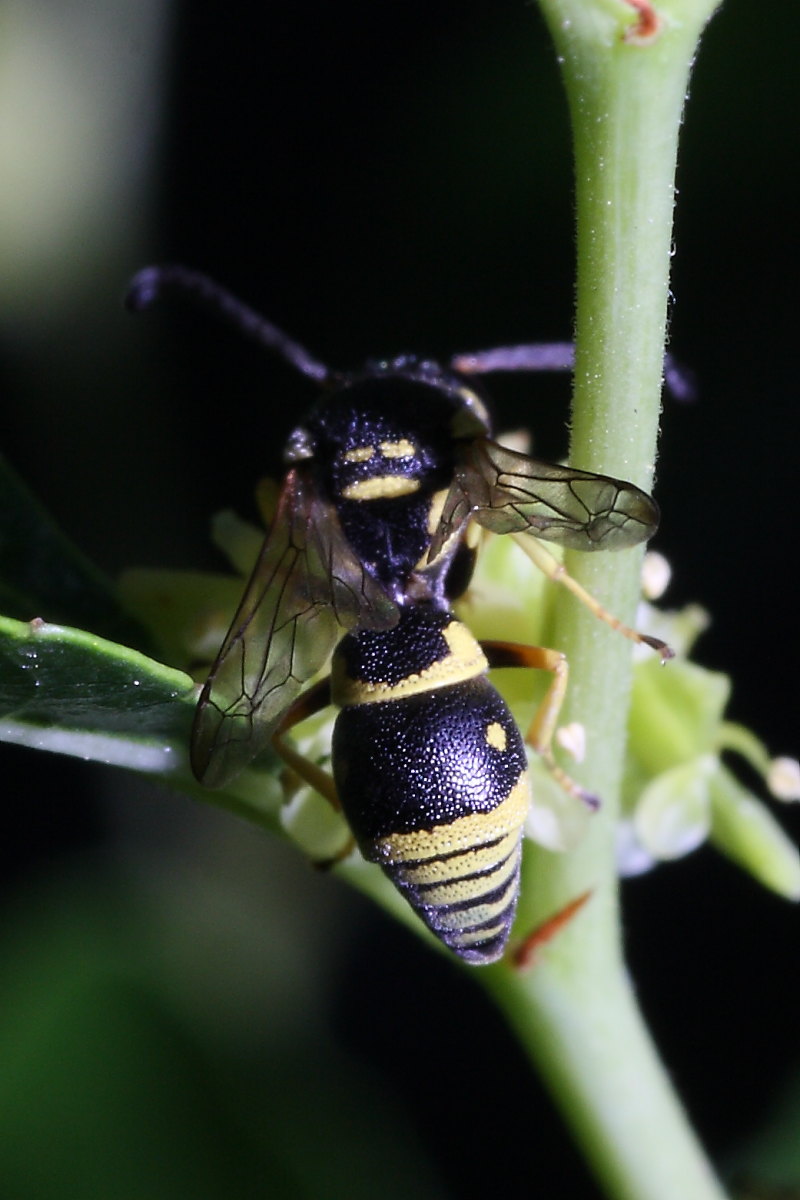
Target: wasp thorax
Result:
[382, 447]
[379, 438]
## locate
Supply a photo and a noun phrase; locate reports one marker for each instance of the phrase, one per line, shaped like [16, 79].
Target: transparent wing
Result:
[306, 588]
[509, 492]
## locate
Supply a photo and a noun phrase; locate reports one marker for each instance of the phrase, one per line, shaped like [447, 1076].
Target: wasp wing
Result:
[508, 492]
[306, 587]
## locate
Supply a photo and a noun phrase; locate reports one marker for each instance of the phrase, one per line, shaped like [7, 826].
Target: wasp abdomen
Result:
[431, 773]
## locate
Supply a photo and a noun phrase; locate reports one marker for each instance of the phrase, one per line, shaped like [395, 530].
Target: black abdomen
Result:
[433, 784]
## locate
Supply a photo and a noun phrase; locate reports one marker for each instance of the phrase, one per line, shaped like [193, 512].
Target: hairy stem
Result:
[626, 68]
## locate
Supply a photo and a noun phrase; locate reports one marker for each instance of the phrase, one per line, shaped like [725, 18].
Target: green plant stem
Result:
[574, 1011]
[592, 1048]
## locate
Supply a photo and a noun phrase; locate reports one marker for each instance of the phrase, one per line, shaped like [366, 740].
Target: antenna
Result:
[560, 356]
[151, 283]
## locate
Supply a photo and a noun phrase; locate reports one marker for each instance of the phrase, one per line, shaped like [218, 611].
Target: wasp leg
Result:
[313, 700]
[557, 572]
[527, 952]
[543, 726]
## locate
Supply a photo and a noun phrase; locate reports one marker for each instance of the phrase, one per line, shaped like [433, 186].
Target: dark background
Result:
[381, 178]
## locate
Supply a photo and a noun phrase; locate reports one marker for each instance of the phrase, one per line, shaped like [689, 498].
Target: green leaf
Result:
[673, 815]
[745, 830]
[66, 690]
[675, 715]
[71, 692]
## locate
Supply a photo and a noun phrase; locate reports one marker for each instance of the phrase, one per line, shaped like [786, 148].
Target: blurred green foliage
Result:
[124, 1076]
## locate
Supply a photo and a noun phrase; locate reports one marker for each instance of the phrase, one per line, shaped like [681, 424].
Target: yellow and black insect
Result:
[368, 550]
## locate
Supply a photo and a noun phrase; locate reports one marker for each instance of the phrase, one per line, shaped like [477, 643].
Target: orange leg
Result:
[543, 726]
[528, 950]
[557, 572]
[313, 700]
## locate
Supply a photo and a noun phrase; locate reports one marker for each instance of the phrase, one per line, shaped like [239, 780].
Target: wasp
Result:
[388, 477]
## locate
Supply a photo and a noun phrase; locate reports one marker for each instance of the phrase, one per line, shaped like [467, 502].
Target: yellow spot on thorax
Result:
[359, 454]
[381, 487]
[400, 449]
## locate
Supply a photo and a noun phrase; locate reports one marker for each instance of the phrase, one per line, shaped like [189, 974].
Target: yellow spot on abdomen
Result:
[496, 735]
